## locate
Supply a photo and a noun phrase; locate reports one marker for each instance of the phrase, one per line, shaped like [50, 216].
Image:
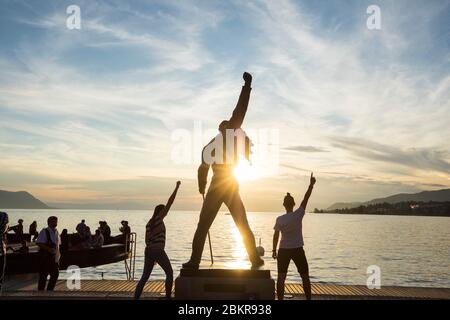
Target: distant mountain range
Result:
[425, 196]
[20, 200]
[101, 206]
[24, 200]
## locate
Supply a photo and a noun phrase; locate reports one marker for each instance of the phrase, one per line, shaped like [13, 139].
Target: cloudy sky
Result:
[90, 115]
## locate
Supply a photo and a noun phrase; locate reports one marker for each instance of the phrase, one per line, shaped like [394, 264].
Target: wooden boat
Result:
[24, 263]
[13, 238]
[16, 238]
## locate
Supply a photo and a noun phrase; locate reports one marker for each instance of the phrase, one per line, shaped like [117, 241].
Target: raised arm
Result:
[170, 201]
[239, 112]
[308, 192]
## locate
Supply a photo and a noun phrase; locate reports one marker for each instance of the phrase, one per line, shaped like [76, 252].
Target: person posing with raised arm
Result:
[291, 245]
[224, 187]
[155, 240]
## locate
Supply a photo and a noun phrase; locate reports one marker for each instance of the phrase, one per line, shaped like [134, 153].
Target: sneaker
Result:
[257, 264]
[190, 265]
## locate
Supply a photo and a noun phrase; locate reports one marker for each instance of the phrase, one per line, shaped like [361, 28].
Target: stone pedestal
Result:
[221, 284]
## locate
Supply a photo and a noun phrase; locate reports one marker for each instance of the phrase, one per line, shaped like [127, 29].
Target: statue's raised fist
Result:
[247, 77]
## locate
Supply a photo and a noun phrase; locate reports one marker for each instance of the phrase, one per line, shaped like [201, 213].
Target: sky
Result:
[91, 115]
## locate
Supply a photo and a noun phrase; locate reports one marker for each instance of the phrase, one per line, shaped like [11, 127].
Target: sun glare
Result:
[246, 172]
[240, 260]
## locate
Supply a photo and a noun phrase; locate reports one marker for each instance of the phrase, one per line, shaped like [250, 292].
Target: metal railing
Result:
[130, 261]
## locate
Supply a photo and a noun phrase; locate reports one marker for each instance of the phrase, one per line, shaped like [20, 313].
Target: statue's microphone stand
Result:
[209, 240]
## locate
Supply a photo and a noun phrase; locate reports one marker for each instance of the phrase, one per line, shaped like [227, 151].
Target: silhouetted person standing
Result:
[224, 187]
[33, 231]
[125, 231]
[125, 228]
[49, 242]
[18, 228]
[64, 247]
[4, 220]
[81, 229]
[291, 245]
[105, 230]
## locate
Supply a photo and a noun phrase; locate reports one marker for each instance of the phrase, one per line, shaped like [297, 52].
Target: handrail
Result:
[130, 250]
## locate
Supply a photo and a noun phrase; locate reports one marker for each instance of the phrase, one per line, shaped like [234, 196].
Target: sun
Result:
[246, 172]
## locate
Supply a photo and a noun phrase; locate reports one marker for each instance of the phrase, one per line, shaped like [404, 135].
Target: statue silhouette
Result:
[224, 187]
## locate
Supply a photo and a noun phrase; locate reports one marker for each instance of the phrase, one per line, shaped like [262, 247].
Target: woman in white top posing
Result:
[291, 245]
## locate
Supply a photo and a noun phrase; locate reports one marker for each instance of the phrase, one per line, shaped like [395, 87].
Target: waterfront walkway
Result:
[123, 289]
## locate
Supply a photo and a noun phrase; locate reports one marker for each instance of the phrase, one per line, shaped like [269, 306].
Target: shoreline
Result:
[385, 214]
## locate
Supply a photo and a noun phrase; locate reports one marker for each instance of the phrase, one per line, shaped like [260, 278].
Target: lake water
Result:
[411, 251]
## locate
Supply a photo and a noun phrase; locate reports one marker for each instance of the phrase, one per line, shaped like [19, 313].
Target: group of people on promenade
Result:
[52, 244]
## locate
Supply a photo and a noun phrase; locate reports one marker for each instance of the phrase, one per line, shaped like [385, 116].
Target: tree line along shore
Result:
[406, 208]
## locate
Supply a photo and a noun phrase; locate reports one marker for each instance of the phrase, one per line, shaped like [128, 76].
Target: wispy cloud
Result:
[102, 101]
[418, 159]
[305, 149]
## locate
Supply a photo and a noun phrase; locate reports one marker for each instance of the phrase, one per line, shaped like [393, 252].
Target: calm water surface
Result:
[411, 251]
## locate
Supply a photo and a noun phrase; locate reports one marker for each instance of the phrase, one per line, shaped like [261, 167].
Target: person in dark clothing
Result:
[155, 240]
[125, 231]
[64, 247]
[18, 230]
[86, 243]
[222, 155]
[49, 242]
[81, 229]
[33, 231]
[125, 228]
[101, 226]
[106, 231]
[4, 220]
